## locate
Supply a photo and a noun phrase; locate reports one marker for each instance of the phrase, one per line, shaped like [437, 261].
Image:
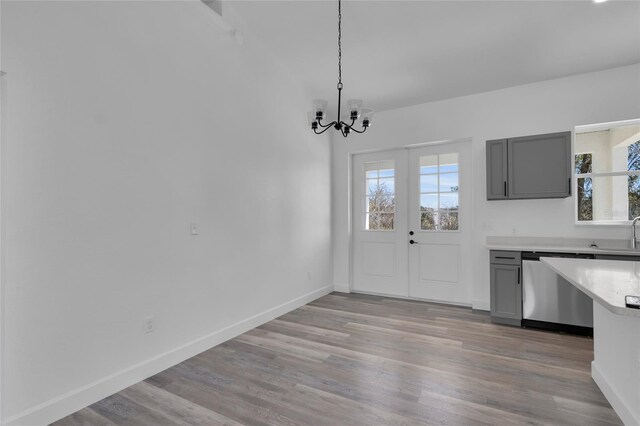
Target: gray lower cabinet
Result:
[506, 287]
[529, 167]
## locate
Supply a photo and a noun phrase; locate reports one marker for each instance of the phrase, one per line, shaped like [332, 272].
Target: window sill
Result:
[625, 223]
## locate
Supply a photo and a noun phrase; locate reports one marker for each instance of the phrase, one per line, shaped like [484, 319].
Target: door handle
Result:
[413, 242]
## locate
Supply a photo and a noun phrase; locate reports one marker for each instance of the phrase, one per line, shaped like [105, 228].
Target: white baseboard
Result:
[342, 288]
[621, 408]
[481, 305]
[70, 402]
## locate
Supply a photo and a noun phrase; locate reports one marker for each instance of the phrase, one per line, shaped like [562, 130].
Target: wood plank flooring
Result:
[368, 360]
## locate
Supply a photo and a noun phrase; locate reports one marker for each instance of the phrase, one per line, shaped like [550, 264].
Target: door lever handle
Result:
[413, 242]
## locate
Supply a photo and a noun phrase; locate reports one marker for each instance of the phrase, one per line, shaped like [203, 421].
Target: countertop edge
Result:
[560, 249]
[618, 310]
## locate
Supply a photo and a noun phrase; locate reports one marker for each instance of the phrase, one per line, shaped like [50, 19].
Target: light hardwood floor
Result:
[367, 360]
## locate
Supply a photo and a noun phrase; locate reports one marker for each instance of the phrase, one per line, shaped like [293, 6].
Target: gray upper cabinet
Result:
[497, 169]
[529, 167]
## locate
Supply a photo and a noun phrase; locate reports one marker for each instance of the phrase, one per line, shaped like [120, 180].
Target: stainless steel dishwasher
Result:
[549, 301]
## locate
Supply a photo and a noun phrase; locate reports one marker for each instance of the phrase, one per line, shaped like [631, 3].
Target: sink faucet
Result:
[634, 241]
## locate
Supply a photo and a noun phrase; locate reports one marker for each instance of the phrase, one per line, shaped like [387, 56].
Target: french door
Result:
[412, 222]
[379, 223]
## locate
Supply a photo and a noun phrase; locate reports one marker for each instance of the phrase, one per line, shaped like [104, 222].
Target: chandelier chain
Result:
[355, 111]
[339, 43]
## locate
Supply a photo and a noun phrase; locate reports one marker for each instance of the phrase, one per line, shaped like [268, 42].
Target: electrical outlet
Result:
[309, 276]
[514, 231]
[149, 325]
[193, 228]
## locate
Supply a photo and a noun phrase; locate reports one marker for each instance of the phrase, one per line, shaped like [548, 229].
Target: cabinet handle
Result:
[504, 257]
[518, 275]
[505, 189]
[569, 186]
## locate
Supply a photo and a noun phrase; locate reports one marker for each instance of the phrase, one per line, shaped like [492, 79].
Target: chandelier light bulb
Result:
[367, 116]
[355, 108]
[320, 108]
[312, 118]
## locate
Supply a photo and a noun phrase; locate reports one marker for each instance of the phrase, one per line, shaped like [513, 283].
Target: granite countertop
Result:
[605, 281]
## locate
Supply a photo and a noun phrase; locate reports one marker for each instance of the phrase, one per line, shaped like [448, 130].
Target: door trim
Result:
[349, 287]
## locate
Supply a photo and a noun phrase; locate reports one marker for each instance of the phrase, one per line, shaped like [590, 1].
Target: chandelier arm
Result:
[325, 125]
[319, 133]
[353, 128]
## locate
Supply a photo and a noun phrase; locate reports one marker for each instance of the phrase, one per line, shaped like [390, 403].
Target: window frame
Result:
[575, 176]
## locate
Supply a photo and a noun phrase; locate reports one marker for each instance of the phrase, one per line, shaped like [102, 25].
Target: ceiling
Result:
[400, 53]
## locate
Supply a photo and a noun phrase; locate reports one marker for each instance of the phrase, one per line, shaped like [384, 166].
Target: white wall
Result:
[550, 106]
[126, 122]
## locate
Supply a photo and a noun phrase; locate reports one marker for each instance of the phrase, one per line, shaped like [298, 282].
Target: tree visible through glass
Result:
[380, 201]
[439, 189]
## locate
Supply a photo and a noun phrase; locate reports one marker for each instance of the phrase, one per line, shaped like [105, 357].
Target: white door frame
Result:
[352, 154]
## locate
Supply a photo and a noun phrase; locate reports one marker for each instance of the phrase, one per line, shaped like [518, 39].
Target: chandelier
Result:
[354, 105]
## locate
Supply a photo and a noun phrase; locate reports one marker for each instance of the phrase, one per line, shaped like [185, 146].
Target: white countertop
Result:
[556, 249]
[605, 281]
[561, 245]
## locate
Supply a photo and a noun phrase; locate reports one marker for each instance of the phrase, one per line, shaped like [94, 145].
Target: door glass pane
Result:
[428, 218]
[448, 201]
[372, 185]
[371, 174]
[387, 172]
[429, 201]
[449, 182]
[429, 183]
[428, 164]
[388, 206]
[448, 221]
[387, 184]
[448, 162]
[439, 187]
[379, 197]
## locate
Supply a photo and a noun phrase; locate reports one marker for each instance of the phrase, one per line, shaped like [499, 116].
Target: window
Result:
[583, 164]
[607, 169]
[380, 199]
[439, 192]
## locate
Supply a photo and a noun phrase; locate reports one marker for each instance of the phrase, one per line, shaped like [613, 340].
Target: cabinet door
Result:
[540, 166]
[506, 294]
[497, 169]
